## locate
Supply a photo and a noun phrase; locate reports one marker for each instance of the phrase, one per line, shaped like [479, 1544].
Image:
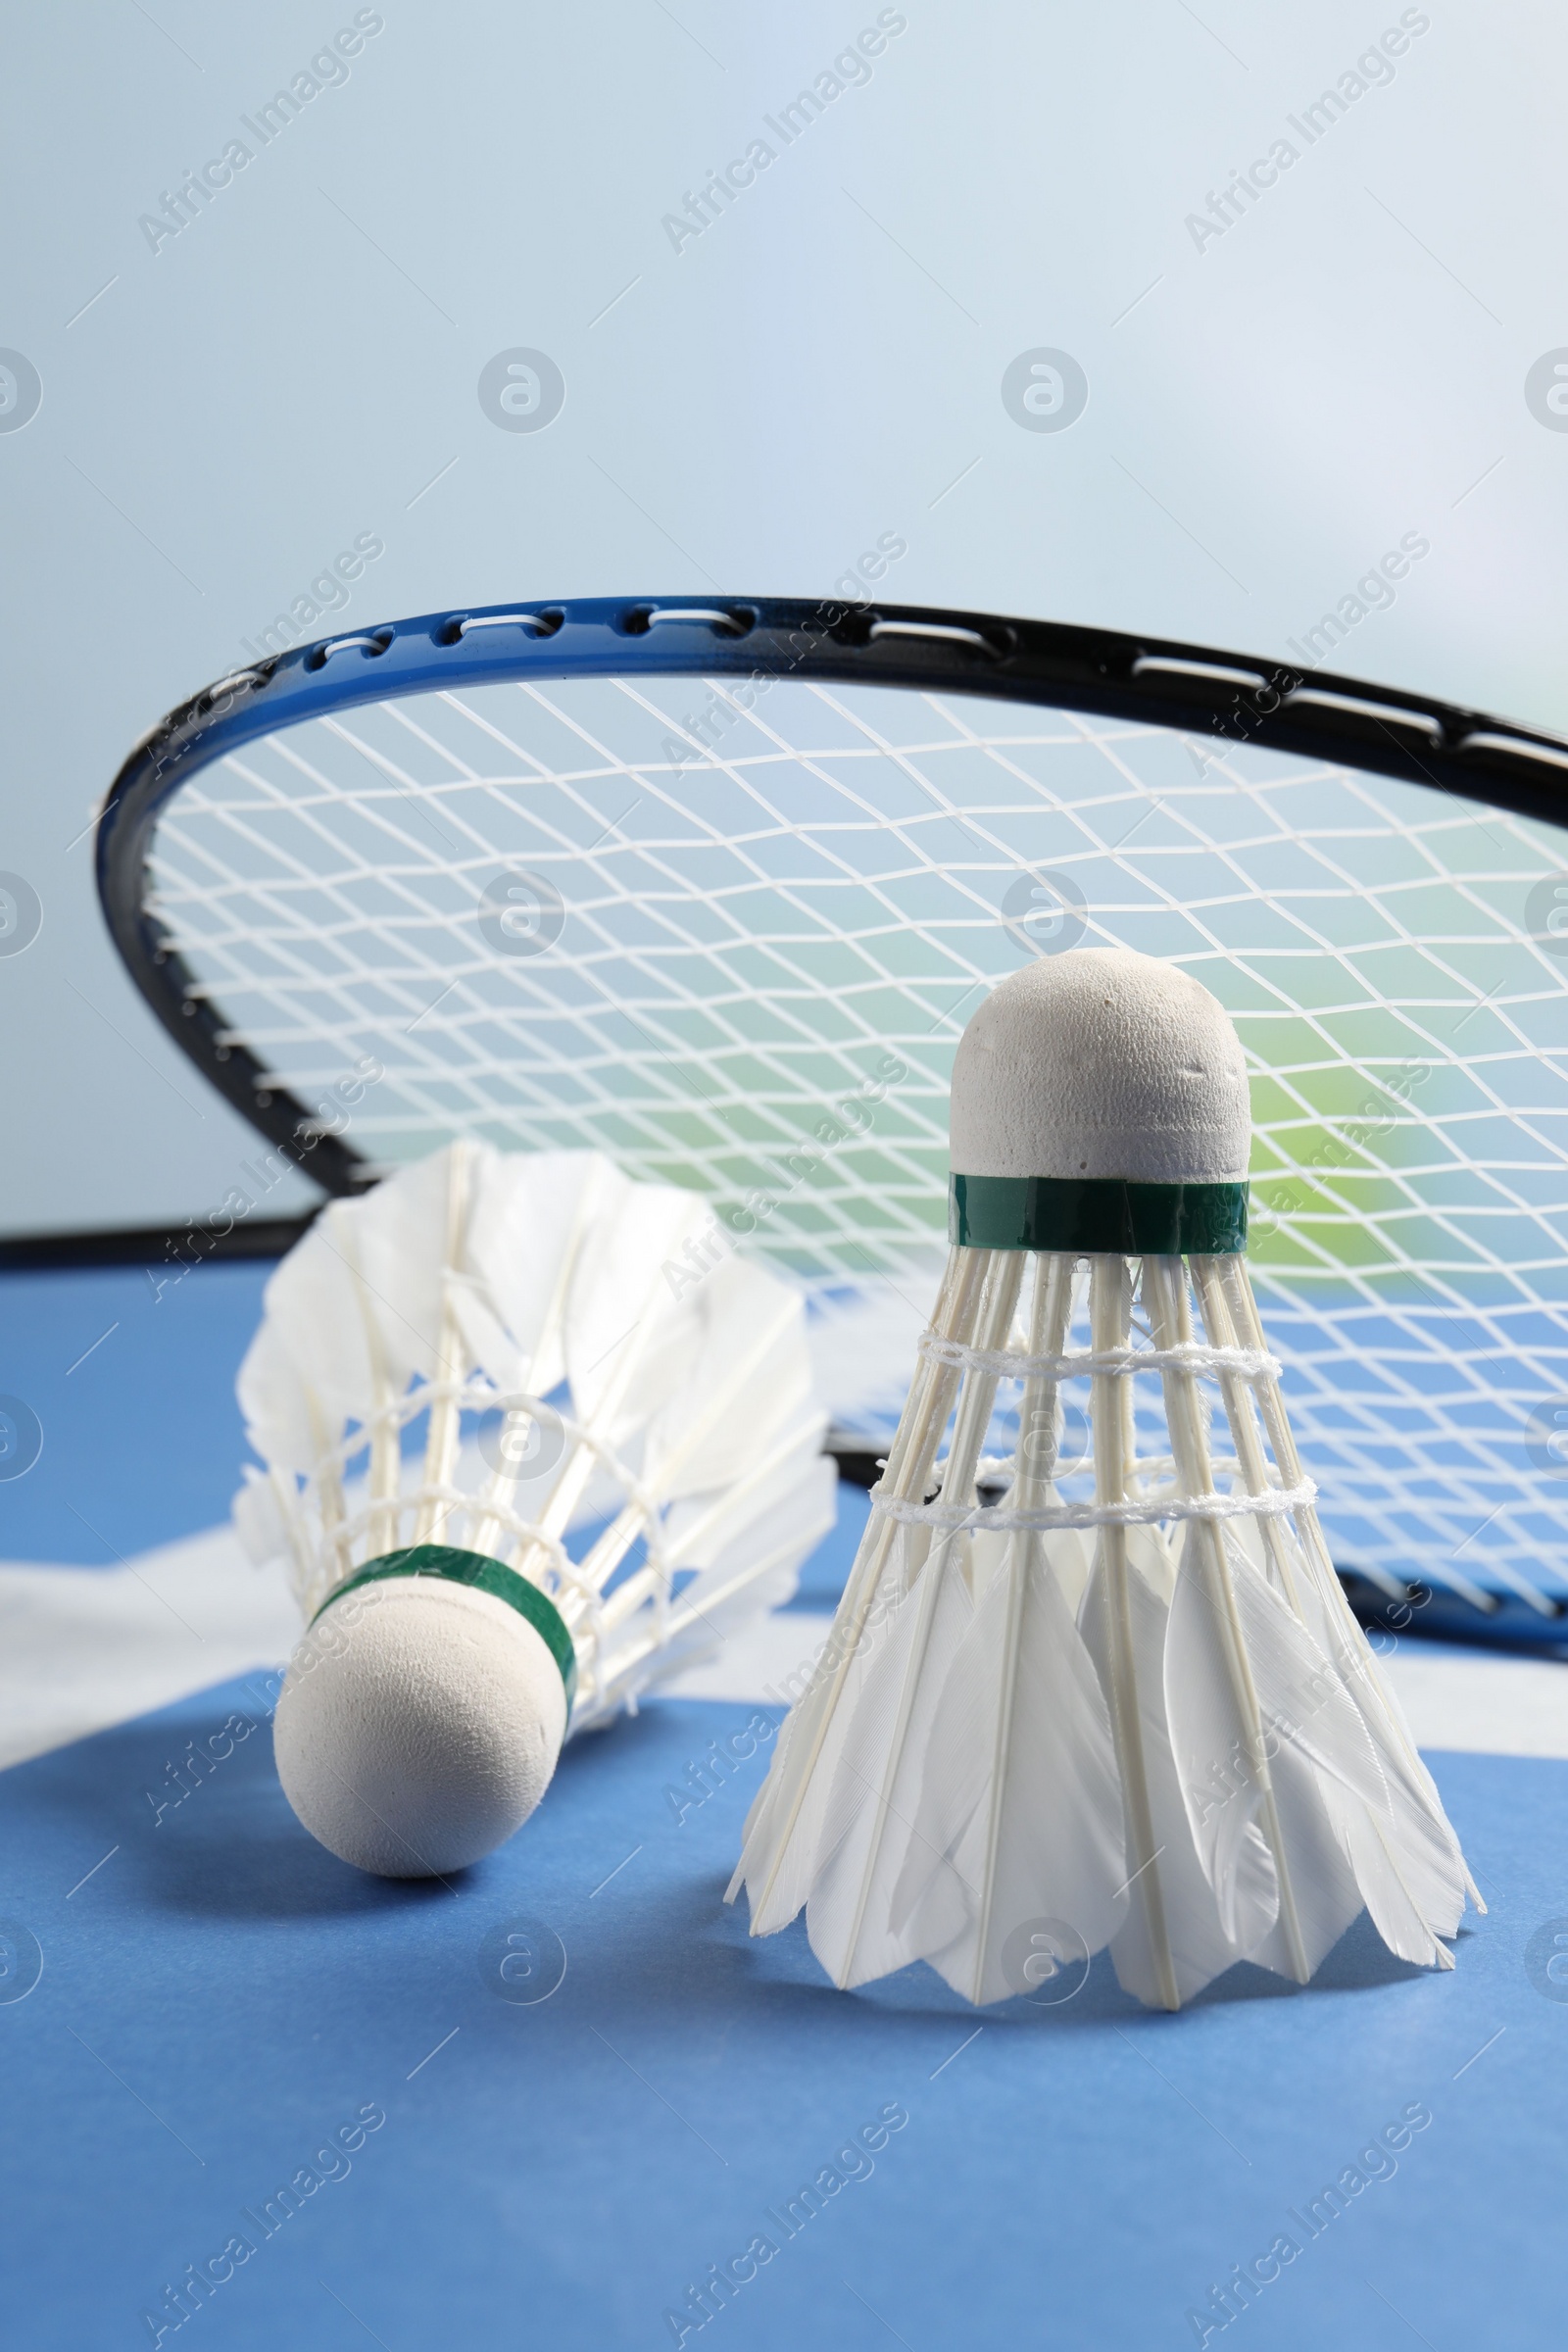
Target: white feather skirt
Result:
[1145, 1720]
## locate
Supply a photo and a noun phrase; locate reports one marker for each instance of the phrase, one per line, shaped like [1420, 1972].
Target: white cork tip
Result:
[1101, 1064]
[418, 1726]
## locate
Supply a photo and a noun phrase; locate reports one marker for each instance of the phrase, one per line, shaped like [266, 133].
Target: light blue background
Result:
[298, 367]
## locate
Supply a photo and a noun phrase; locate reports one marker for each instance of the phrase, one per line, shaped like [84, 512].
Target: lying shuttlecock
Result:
[455, 1638]
[1014, 1752]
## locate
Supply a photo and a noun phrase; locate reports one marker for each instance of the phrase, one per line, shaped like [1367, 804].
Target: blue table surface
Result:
[218, 1998]
[133, 1387]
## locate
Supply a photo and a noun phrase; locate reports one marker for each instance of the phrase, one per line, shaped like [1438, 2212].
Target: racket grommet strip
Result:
[725, 622]
[1516, 747]
[1353, 705]
[371, 643]
[543, 623]
[1206, 673]
[943, 633]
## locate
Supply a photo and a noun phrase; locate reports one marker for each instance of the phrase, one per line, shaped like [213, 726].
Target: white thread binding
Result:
[478, 1395]
[1275, 1505]
[1000, 1469]
[1244, 1364]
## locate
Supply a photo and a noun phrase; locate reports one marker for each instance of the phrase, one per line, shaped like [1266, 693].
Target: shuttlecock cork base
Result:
[422, 1715]
[1099, 1104]
[1118, 1703]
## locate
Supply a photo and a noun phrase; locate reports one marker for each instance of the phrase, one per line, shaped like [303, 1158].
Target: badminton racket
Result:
[714, 888]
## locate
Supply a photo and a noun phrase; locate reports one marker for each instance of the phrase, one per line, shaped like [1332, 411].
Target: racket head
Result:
[714, 886]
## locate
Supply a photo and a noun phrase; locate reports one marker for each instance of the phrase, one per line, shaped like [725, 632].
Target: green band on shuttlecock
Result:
[1101, 1217]
[481, 1575]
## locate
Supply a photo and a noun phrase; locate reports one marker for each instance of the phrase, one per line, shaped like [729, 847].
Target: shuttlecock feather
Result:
[1175, 1743]
[622, 1459]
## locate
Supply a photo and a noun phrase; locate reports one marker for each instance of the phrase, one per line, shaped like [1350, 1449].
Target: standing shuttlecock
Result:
[1147, 1719]
[622, 1459]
